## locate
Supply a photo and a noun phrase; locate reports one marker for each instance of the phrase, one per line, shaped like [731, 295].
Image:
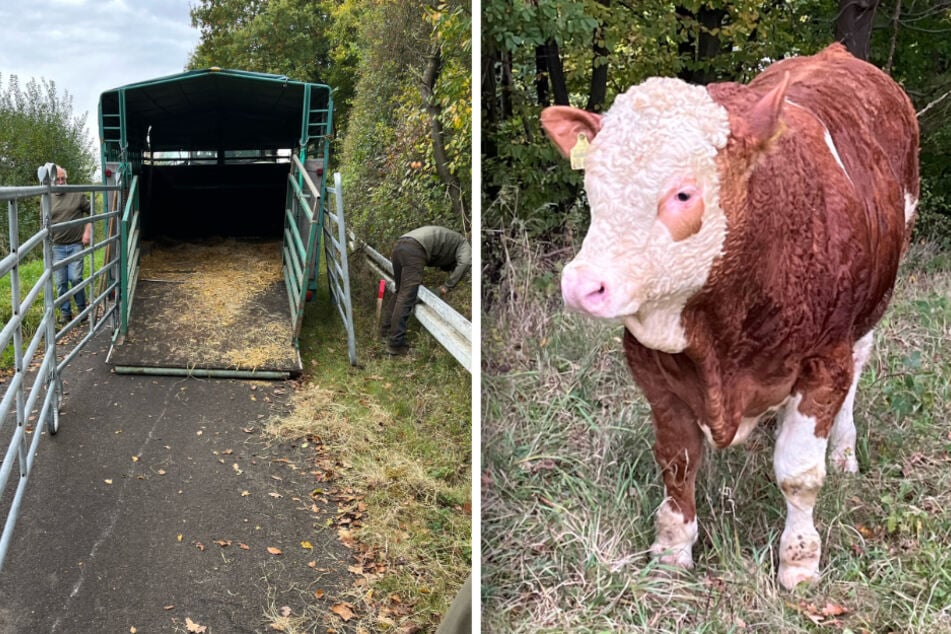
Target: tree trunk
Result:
[853, 26]
[598, 92]
[454, 188]
[490, 89]
[891, 50]
[549, 71]
[541, 76]
[704, 46]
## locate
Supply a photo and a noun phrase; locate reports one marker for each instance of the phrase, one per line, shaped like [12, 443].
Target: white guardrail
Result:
[449, 328]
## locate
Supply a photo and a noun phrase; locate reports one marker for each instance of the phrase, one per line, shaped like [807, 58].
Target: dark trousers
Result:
[408, 259]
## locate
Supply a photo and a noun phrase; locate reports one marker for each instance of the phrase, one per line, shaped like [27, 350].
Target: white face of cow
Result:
[656, 221]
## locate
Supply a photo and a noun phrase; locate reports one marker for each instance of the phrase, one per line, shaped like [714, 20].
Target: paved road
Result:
[137, 509]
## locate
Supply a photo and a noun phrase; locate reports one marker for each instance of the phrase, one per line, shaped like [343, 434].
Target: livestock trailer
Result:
[222, 202]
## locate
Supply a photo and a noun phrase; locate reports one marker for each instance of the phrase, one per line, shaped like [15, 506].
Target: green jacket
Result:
[65, 207]
[445, 249]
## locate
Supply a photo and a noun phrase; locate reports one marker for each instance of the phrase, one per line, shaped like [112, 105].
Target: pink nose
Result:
[584, 290]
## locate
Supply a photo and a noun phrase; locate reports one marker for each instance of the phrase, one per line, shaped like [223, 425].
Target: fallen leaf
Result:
[285, 611]
[244, 546]
[343, 610]
[224, 543]
[169, 607]
[248, 430]
[275, 495]
[319, 594]
[133, 630]
[245, 494]
[199, 546]
[306, 545]
[227, 452]
[109, 481]
[833, 609]
[135, 459]
[274, 551]
[161, 472]
[193, 627]
[179, 537]
[357, 570]
[311, 564]
[278, 627]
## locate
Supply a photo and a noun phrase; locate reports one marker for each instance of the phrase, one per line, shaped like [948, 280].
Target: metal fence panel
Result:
[29, 405]
[338, 267]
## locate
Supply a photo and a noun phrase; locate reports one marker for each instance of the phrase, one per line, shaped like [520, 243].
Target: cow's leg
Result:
[799, 461]
[678, 449]
[842, 438]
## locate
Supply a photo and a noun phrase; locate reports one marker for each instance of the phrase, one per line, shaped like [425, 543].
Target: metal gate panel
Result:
[338, 268]
[301, 226]
[30, 401]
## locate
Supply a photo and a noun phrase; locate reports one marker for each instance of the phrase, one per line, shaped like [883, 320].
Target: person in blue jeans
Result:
[67, 241]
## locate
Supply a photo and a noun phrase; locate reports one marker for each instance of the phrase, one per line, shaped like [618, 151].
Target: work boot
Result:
[397, 350]
[64, 319]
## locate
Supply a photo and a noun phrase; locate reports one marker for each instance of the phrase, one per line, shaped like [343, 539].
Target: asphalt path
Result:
[155, 506]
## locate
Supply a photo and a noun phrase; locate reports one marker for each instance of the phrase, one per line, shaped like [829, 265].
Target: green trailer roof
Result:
[214, 109]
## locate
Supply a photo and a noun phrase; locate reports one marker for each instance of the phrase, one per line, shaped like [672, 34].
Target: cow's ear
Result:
[564, 125]
[764, 121]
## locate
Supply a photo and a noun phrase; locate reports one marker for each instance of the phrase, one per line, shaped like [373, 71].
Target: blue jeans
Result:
[70, 275]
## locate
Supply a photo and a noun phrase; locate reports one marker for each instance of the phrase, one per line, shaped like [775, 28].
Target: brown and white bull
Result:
[748, 238]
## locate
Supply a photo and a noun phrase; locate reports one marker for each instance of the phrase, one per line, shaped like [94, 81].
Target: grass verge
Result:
[396, 434]
[570, 486]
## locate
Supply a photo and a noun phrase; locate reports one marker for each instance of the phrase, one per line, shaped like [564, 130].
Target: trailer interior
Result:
[207, 162]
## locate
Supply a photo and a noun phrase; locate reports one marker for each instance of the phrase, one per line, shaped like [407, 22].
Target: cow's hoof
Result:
[792, 576]
[845, 462]
[799, 553]
[677, 557]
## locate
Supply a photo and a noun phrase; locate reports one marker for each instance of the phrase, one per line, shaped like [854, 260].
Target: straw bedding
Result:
[212, 295]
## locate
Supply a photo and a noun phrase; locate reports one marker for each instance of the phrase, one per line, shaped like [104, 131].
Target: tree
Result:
[407, 147]
[296, 38]
[853, 26]
[605, 46]
[37, 126]
[402, 94]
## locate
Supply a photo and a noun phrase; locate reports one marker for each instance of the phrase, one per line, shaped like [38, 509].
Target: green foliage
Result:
[660, 37]
[388, 160]
[37, 126]
[934, 213]
[373, 53]
[282, 37]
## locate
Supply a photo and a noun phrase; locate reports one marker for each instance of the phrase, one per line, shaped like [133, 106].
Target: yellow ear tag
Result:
[579, 152]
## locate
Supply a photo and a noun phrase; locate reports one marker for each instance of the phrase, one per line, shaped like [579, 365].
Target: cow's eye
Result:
[683, 196]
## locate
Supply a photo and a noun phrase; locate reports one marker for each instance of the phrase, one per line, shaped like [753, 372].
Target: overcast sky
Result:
[89, 47]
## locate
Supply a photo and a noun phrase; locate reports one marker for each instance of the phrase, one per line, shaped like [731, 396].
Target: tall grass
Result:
[570, 486]
[398, 433]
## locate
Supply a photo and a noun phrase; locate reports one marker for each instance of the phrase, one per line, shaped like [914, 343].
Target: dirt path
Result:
[155, 506]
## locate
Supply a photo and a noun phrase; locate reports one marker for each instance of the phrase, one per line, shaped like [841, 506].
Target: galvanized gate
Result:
[302, 221]
[29, 406]
[338, 268]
